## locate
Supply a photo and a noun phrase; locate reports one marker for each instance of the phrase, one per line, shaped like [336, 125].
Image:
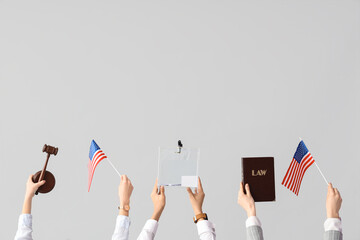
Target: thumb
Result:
[247, 187]
[39, 184]
[191, 194]
[331, 188]
[162, 190]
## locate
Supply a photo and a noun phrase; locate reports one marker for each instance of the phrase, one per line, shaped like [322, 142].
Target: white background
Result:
[234, 78]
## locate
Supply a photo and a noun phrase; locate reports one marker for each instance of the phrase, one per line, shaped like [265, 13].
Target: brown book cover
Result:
[259, 173]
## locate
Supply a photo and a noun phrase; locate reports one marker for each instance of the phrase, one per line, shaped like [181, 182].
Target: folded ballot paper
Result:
[258, 172]
[178, 168]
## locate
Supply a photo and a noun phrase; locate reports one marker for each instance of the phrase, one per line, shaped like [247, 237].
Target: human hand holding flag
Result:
[333, 202]
[301, 161]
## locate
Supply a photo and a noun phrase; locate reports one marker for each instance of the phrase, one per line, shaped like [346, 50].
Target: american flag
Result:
[301, 161]
[96, 155]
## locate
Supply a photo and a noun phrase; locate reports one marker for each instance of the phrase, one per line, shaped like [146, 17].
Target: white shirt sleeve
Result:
[252, 221]
[24, 231]
[206, 230]
[149, 230]
[333, 224]
[121, 228]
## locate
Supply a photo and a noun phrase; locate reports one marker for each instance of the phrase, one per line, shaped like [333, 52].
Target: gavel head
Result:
[50, 149]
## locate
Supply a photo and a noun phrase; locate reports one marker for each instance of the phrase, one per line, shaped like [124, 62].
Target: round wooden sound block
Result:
[49, 181]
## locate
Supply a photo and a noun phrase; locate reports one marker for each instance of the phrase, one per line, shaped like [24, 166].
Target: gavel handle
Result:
[43, 171]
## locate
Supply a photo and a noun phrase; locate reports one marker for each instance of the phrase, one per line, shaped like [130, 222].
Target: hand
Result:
[246, 201]
[32, 187]
[125, 190]
[197, 198]
[333, 202]
[159, 201]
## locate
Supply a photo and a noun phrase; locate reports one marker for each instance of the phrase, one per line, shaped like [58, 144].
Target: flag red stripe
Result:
[94, 165]
[97, 158]
[98, 154]
[93, 162]
[287, 172]
[89, 179]
[96, 162]
[310, 162]
[294, 176]
[297, 182]
[291, 172]
[302, 175]
[302, 163]
[297, 191]
[303, 168]
[92, 171]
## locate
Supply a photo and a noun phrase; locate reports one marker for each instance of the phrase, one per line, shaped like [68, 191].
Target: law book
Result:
[259, 173]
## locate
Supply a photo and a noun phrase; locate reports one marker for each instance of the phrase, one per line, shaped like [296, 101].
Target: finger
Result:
[40, 183]
[247, 187]
[241, 188]
[200, 188]
[331, 189]
[162, 190]
[155, 189]
[190, 191]
[336, 191]
[122, 177]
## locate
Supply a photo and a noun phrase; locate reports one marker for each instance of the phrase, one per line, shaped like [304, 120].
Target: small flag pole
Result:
[327, 183]
[321, 173]
[113, 167]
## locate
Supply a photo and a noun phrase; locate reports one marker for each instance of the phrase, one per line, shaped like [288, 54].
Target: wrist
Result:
[251, 212]
[123, 212]
[124, 209]
[200, 217]
[27, 206]
[197, 211]
[333, 215]
[28, 198]
[156, 215]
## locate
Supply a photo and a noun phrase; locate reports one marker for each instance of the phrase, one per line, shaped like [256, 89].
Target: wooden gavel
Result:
[46, 175]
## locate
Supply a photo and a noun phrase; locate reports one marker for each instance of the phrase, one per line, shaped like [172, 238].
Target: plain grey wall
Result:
[234, 78]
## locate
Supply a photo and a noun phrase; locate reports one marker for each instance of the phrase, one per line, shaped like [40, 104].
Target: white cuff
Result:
[333, 224]
[122, 222]
[252, 221]
[205, 226]
[151, 225]
[25, 220]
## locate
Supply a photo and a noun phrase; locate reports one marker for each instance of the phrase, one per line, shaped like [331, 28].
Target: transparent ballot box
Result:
[178, 168]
